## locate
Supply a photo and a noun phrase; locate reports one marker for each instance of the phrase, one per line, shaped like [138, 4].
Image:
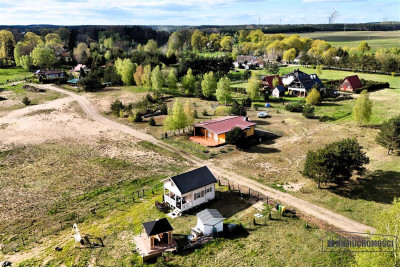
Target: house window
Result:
[202, 193]
[210, 189]
[196, 196]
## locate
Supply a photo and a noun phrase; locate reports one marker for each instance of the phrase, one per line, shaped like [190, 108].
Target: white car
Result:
[262, 114]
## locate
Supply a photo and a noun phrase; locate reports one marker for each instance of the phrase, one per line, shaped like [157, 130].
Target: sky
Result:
[194, 12]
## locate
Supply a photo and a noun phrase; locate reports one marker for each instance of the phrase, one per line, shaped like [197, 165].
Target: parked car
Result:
[262, 114]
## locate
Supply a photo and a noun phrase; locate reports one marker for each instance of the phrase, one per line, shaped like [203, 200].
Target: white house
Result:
[189, 189]
[209, 221]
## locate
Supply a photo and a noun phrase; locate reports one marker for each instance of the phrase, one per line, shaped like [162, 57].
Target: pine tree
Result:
[389, 135]
[362, 109]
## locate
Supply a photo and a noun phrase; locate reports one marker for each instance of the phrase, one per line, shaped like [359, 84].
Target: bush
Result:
[164, 109]
[195, 115]
[246, 102]
[222, 111]
[295, 107]
[205, 113]
[116, 107]
[246, 75]
[314, 97]
[325, 118]
[237, 137]
[137, 117]
[238, 109]
[91, 82]
[372, 85]
[152, 121]
[26, 101]
[308, 111]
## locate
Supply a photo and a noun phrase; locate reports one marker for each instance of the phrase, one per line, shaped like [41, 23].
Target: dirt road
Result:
[324, 215]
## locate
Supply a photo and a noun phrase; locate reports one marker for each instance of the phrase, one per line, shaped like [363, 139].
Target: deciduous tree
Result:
[223, 91]
[43, 56]
[208, 85]
[362, 109]
[189, 82]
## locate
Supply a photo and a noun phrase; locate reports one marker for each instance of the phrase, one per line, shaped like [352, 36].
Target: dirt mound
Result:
[34, 89]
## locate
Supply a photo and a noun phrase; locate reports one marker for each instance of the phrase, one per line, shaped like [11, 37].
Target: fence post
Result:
[138, 196]
[61, 225]
[143, 192]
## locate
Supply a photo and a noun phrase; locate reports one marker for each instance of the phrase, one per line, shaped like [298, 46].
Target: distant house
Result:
[350, 83]
[268, 81]
[279, 91]
[209, 221]
[248, 62]
[157, 238]
[50, 75]
[297, 59]
[76, 72]
[300, 83]
[189, 189]
[213, 132]
[73, 82]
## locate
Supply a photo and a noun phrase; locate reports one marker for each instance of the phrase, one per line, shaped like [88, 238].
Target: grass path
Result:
[335, 220]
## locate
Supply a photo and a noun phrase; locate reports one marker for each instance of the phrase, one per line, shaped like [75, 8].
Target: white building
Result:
[189, 189]
[209, 221]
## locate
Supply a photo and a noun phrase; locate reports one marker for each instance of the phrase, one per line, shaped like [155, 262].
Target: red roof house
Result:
[212, 132]
[350, 83]
[267, 81]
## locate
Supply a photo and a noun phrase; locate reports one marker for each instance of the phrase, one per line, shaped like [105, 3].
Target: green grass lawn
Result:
[375, 39]
[13, 74]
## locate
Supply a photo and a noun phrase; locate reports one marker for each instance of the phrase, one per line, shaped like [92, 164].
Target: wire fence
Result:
[37, 232]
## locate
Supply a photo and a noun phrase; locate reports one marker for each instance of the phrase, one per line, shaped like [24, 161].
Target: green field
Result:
[375, 39]
[13, 74]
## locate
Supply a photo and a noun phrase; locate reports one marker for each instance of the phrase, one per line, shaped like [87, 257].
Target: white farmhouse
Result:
[189, 189]
[209, 221]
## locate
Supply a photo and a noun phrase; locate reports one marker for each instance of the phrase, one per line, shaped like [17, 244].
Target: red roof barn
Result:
[350, 83]
[267, 81]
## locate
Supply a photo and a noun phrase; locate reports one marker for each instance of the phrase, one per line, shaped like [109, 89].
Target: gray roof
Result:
[193, 179]
[210, 217]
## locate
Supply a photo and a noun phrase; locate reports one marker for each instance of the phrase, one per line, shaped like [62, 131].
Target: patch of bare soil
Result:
[102, 100]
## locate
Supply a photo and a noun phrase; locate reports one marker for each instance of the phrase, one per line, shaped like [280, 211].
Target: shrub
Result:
[152, 121]
[26, 101]
[116, 107]
[205, 113]
[237, 137]
[325, 118]
[238, 109]
[295, 107]
[137, 117]
[314, 97]
[164, 109]
[195, 115]
[222, 111]
[91, 82]
[246, 102]
[308, 111]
